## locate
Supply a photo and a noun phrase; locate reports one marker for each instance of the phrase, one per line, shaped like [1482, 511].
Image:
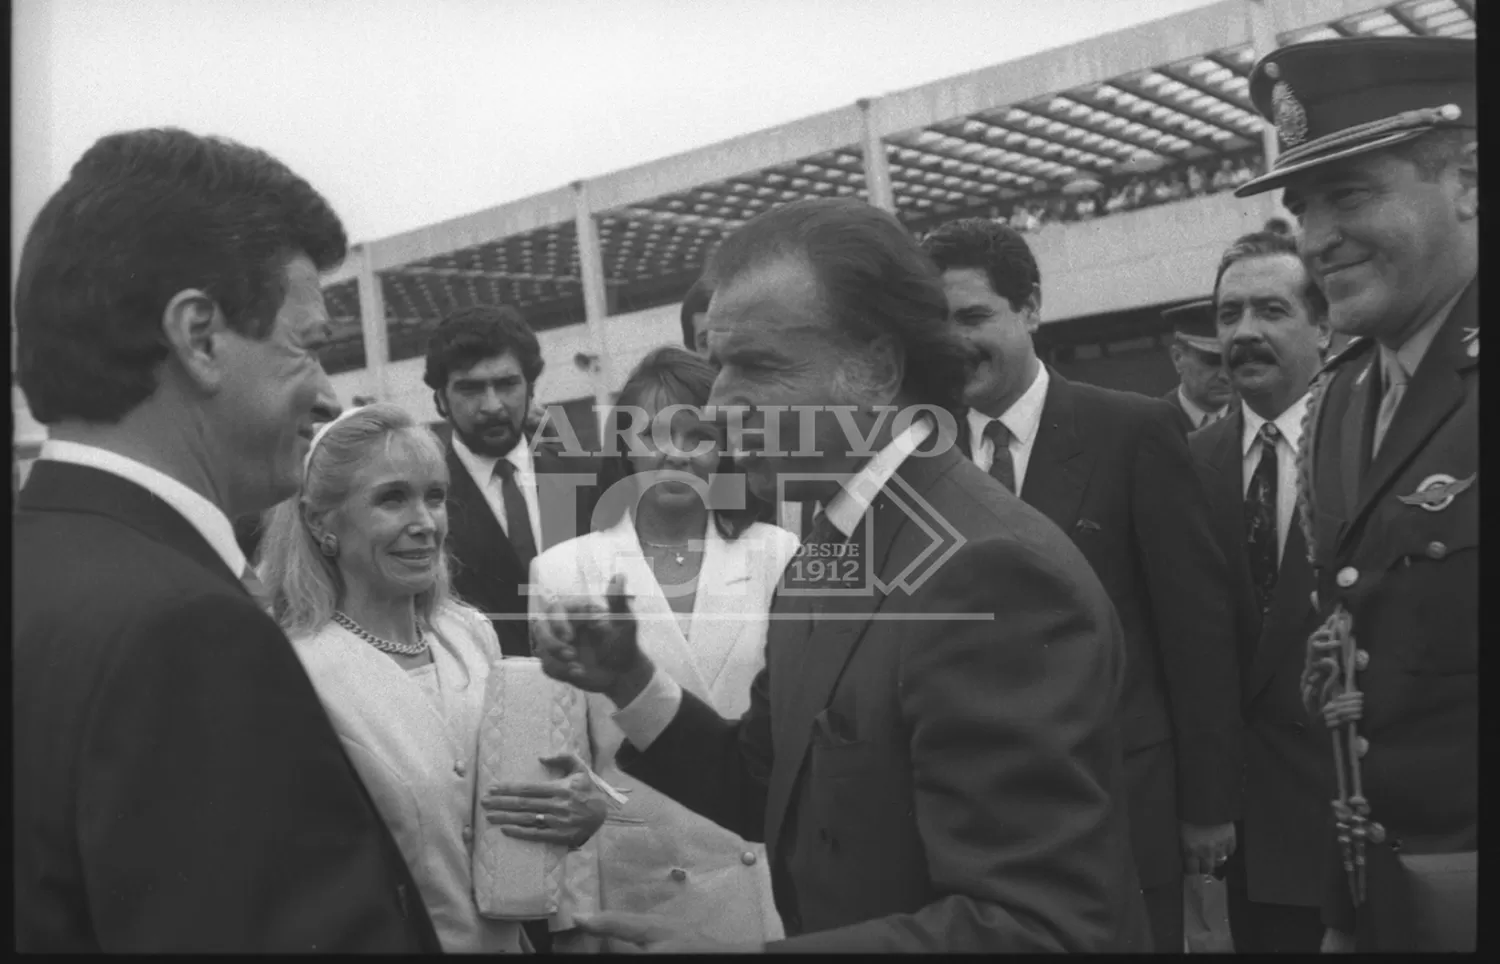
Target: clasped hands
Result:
[565, 811]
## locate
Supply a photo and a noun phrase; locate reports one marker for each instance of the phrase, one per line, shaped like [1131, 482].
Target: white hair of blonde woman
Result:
[305, 586]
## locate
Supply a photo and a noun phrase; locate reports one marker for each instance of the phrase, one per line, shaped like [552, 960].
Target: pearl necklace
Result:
[384, 645]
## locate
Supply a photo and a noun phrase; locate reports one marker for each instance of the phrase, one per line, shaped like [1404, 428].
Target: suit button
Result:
[747, 858]
[1361, 746]
[1347, 577]
[459, 768]
[468, 835]
[1436, 550]
[1377, 833]
[678, 874]
[1361, 658]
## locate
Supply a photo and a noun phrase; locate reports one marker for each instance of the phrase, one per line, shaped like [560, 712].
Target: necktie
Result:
[1260, 519]
[256, 588]
[1395, 388]
[1003, 468]
[1211, 417]
[517, 519]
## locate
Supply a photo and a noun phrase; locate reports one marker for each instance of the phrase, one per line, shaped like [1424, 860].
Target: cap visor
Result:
[1201, 343]
[1279, 177]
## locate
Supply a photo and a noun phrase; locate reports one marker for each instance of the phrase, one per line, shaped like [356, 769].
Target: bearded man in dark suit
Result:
[931, 752]
[178, 786]
[1113, 471]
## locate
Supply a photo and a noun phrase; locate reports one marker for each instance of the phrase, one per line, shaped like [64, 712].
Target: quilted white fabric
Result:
[527, 715]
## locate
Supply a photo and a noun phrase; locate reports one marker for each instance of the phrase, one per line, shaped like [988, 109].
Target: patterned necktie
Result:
[1003, 468]
[1260, 519]
[517, 518]
[1395, 388]
[256, 588]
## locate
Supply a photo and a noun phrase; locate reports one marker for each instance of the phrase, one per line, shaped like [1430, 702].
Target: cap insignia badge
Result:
[1291, 119]
[1436, 492]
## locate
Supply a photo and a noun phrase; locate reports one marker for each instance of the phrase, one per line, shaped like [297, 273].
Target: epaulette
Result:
[1357, 346]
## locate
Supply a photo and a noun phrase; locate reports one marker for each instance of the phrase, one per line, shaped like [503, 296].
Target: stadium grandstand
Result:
[1118, 156]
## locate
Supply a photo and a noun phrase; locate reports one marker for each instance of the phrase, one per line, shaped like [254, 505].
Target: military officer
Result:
[1204, 393]
[1380, 167]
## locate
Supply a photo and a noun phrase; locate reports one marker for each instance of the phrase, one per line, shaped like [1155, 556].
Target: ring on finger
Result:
[540, 819]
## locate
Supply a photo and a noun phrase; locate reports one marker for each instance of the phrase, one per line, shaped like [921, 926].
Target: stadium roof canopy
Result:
[977, 143]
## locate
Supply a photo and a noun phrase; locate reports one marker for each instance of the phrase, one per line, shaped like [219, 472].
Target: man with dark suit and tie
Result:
[1272, 323]
[1380, 166]
[1112, 470]
[931, 753]
[178, 786]
[509, 497]
[1204, 393]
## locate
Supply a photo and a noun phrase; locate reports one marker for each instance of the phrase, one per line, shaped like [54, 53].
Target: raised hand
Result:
[592, 644]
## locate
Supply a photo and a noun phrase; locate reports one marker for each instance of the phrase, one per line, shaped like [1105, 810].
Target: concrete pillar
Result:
[372, 325]
[1263, 40]
[877, 167]
[595, 292]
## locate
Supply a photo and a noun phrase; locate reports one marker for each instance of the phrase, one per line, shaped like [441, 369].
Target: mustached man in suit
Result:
[931, 758]
[178, 786]
[508, 497]
[1272, 324]
[1204, 393]
[1112, 470]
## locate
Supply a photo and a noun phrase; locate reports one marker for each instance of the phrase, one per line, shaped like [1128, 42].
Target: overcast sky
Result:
[406, 112]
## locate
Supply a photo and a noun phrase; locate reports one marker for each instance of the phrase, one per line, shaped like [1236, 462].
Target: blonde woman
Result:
[357, 577]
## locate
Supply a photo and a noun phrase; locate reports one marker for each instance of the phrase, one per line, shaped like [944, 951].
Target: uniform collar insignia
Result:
[1436, 492]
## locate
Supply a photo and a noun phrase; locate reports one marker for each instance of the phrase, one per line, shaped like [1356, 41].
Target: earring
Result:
[329, 544]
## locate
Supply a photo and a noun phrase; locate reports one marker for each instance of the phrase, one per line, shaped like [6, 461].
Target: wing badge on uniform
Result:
[1436, 492]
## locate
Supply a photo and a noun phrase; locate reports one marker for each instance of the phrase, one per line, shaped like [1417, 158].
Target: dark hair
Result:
[1261, 244]
[874, 280]
[143, 216]
[695, 303]
[470, 335]
[681, 378]
[993, 247]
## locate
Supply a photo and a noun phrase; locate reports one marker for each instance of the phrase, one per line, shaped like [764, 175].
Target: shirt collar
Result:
[853, 501]
[1024, 417]
[1288, 423]
[1195, 411]
[210, 521]
[1410, 355]
[482, 467]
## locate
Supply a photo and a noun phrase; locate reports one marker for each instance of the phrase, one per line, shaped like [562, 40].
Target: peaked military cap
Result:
[1332, 99]
[1193, 325]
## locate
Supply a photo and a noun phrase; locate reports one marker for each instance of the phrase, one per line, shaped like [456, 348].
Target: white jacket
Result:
[417, 761]
[654, 855]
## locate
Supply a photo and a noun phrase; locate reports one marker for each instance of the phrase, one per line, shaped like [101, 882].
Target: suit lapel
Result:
[1432, 395]
[1354, 435]
[1228, 460]
[1057, 476]
[724, 586]
[838, 625]
[476, 533]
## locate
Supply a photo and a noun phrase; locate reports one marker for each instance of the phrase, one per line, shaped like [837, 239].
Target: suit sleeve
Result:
[715, 767]
[1187, 577]
[217, 811]
[1015, 759]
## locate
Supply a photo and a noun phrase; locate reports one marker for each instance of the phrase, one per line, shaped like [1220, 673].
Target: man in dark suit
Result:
[1380, 165]
[1272, 323]
[510, 496]
[931, 758]
[177, 784]
[1204, 393]
[1112, 470]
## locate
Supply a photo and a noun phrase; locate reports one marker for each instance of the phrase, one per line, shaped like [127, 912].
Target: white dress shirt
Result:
[1023, 419]
[1288, 443]
[482, 468]
[1200, 416]
[201, 514]
[646, 716]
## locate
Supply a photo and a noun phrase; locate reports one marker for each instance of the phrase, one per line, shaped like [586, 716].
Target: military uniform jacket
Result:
[1396, 542]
